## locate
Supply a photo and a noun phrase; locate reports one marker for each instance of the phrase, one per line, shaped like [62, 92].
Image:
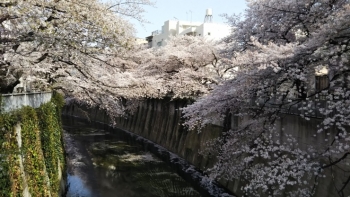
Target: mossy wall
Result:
[31, 152]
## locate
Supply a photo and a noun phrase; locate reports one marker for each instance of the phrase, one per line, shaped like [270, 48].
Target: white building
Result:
[208, 29]
[140, 41]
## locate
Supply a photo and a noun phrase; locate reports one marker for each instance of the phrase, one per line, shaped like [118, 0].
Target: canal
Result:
[110, 164]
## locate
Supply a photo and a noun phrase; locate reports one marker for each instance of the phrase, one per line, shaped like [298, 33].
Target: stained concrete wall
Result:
[16, 101]
[160, 121]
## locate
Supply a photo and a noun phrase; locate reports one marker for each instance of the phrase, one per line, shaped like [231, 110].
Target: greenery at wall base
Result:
[39, 152]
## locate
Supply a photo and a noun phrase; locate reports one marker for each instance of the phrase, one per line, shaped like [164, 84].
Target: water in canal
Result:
[107, 164]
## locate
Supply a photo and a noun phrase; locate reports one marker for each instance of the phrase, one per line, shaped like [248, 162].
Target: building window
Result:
[159, 43]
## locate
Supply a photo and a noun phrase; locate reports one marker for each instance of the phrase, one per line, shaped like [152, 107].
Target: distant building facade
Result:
[141, 41]
[208, 29]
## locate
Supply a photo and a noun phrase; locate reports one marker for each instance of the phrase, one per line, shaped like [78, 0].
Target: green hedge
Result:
[41, 150]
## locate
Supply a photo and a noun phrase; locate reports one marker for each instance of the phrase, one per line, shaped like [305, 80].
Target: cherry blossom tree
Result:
[186, 67]
[74, 46]
[277, 48]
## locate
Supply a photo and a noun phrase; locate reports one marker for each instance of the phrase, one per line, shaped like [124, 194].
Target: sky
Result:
[181, 10]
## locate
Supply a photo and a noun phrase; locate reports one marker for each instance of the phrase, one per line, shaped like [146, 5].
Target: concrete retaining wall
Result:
[160, 121]
[16, 101]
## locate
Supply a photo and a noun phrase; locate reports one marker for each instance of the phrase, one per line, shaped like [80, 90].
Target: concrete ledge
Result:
[15, 101]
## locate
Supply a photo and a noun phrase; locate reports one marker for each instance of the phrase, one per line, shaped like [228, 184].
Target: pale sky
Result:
[181, 9]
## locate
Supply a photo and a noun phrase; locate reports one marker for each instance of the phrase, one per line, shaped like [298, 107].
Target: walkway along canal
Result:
[102, 164]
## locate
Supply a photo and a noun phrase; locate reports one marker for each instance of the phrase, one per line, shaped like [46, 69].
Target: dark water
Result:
[104, 164]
